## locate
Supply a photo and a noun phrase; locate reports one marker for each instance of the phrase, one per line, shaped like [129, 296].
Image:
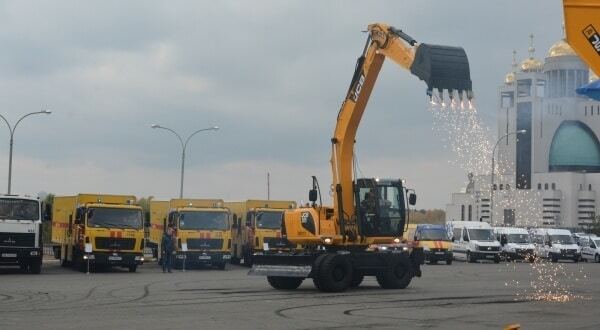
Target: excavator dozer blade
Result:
[282, 264]
[443, 68]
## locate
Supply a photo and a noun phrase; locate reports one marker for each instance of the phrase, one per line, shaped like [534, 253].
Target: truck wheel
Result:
[284, 283]
[132, 268]
[576, 259]
[356, 280]
[335, 273]
[35, 267]
[553, 258]
[470, 257]
[23, 266]
[397, 275]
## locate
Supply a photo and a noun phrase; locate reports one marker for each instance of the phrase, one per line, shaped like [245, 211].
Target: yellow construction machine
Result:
[360, 235]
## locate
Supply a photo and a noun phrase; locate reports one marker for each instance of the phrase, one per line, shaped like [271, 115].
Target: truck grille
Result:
[277, 242]
[204, 243]
[113, 243]
[489, 248]
[17, 239]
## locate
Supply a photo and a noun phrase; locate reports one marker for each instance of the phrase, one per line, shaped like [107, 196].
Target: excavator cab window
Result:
[381, 207]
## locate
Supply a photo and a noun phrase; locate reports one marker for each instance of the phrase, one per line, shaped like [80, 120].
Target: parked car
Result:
[555, 244]
[590, 249]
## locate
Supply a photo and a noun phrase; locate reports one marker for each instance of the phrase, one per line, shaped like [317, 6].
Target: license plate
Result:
[114, 258]
[204, 257]
[9, 255]
[489, 256]
[439, 253]
[569, 255]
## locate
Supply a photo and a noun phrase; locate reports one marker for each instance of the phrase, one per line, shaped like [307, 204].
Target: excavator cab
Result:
[380, 207]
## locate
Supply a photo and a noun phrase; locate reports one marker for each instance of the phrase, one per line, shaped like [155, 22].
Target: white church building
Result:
[548, 175]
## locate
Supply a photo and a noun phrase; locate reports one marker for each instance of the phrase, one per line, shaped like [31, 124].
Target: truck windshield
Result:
[481, 235]
[561, 239]
[19, 209]
[433, 235]
[268, 220]
[203, 220]
[517, 238]
[114, 218]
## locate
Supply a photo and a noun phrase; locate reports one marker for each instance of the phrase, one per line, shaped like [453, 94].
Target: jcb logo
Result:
[358, 87]
[593, 37]
[304, 217]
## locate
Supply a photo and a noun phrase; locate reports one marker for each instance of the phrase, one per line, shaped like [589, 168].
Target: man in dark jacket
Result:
[168, 244]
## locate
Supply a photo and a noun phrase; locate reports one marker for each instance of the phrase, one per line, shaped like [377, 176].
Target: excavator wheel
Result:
[335, 273]
[285, 283]
[397, 275]
[356, 280]
[316, 269]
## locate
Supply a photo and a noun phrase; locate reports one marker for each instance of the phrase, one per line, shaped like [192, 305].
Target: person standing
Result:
[168, 243]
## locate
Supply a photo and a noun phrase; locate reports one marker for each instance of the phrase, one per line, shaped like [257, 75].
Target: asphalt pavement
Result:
[459, 296]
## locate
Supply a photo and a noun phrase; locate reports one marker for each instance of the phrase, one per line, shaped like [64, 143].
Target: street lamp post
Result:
[183, 147]
[11, 130]
[493, 167]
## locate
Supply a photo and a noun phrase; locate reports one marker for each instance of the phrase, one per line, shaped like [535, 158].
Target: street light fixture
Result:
[11, 130]
[183, 147]
[493, 167]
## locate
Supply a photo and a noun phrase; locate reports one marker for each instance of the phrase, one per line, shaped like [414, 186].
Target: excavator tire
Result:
[397, 275]
[284, 283]
[356, 280]
[335, 273]
[316, 269]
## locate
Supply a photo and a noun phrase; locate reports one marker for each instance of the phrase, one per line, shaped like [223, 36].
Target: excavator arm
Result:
[582, 23]
[440, 67]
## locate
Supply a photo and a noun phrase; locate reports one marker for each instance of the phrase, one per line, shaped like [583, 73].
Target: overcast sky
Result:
[271, 74]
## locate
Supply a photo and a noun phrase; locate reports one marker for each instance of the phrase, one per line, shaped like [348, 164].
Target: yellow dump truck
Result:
[433, 239]
[99, 229]
[202, 229]
[257, 227]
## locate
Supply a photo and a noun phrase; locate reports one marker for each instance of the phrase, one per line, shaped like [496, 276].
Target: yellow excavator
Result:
[361, 234]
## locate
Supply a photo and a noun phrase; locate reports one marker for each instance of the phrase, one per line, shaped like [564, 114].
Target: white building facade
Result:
[550, 175]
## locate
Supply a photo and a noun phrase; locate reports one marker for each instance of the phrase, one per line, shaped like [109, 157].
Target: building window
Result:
[501, 186]
[545, 186]
[495, 187]
[462, 213]
[470, 212]
[539, 186]
[580, 186]
[507, 186]
[590, 187]
[553, 186]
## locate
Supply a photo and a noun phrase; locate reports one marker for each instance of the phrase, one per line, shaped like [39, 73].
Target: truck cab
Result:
[516, 243]
[433, 239]
[590, 248]
[555, 244]
[473, 241]
[257, 227]
[202, 231]
[21, 232]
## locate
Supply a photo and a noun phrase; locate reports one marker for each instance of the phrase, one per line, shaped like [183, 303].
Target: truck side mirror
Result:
[503, 240]
[452, 239]
[77, 221]
[412, 199]
[312, 195]
[47, 216]
[147, 223]
[234, 224]
[549, 244]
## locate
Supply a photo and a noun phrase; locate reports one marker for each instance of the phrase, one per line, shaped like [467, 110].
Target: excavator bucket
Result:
[443, 68]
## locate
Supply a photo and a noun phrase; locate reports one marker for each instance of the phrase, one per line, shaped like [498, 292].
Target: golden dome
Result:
[560, 48]
[531, 64]
[510, 78]
[593, 76]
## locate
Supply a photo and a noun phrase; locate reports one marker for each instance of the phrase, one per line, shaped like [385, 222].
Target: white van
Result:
[555, 244]
[473, 240]
[516, 243]
[590, 248]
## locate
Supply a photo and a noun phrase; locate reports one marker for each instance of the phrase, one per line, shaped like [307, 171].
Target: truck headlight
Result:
[327, 240]
[139, 258]
[226, 256]
[34, 253]
[426, 248]
[396, 240]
